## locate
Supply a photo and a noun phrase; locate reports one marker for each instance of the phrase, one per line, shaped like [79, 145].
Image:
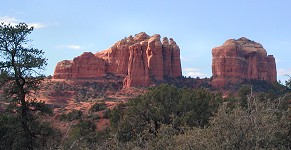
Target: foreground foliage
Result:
[166, 105]
[263, 124]
[172, 118]
[20, 67]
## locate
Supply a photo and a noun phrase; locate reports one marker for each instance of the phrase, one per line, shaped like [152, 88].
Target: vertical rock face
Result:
[155, 57]
[239, 60]
[175, 60]
[116, 58]
[171, 57]
[138, 72]
[167, 52]
[141, 60]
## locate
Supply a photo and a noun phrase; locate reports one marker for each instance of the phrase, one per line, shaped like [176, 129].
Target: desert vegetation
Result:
[253, 115]
[168, 117]
[81, 92]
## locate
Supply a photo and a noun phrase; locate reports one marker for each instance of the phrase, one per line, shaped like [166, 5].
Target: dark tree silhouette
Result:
[20, 75]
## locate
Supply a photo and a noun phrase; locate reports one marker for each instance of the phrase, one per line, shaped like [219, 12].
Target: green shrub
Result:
[98, 107]
[79, 134]
[94, 116]
[106, 114]
[73, 115]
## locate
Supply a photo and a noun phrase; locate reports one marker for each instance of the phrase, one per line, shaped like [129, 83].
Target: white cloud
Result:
[71, 46]
[283, 74]
[285, 42]
[13, 21]
[193, 72]
[37, 25]
[185, 59]
[9, 20]
[283, 71]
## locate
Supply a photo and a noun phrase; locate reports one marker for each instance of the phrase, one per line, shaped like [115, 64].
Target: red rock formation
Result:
[138, 71]
[85, 66]
[155, 57]
[171, 57]
[158, 60]
[272, 71]
[239, 60]
[141, 60]
[116, 57]
[167, 51]
[63, 70]
[175, 60]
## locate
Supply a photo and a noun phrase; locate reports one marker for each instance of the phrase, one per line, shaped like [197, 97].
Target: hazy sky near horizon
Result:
[65, 29]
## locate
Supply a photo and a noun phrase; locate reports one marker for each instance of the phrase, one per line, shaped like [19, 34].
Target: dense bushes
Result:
[98, 107]
[262, 125]
[70, 116]
[80, 135]
[166, 105]
[171, 118]
[167, 117]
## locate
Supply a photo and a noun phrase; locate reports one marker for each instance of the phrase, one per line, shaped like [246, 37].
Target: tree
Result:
[243, 94]
[288, 82]
[20, 67]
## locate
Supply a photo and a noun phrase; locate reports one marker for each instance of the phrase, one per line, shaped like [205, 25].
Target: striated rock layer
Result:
[141, 60]
[239, 60]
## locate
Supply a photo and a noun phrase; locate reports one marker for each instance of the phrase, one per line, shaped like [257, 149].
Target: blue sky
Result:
[65, 29]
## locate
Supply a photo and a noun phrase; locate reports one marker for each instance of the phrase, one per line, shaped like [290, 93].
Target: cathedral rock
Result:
[141, 60]
[239, 60]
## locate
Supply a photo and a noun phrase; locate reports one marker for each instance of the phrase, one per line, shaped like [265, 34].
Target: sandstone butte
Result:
[141, 60]
[239, 60]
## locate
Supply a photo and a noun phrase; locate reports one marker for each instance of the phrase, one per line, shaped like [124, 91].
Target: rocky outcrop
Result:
[116, 57]
[152, 60]
[239, 60]
[85, 66]
[141, 60]
[63, 70]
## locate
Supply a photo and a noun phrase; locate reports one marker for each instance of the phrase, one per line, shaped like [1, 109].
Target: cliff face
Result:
[142, 60]
[239, 60]
[138, 70]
